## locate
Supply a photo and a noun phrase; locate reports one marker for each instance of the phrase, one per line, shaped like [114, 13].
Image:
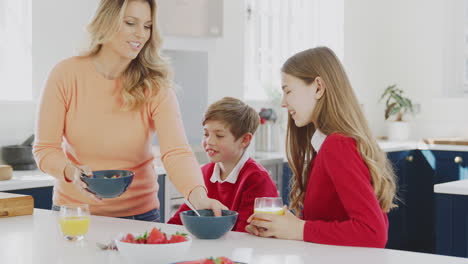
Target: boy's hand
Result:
[286, 226]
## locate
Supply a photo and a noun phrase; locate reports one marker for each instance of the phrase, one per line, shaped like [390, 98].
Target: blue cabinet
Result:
[42, 196]
[452, 225]
[451, 210]
[286, 186]
[398, 233]
[411, 224]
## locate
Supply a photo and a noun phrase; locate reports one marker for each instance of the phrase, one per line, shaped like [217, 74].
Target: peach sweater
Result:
[80, 119]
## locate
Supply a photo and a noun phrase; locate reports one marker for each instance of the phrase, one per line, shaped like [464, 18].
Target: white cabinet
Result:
[191, 18]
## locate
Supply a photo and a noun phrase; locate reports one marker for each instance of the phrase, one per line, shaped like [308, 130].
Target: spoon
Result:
[110, 246]
[191, 207]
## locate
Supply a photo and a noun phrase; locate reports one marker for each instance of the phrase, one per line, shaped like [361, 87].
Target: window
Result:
[15, 50]
[276, 29]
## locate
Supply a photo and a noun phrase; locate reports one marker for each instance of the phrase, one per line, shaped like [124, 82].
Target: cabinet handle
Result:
[409, 158]
[458, 159]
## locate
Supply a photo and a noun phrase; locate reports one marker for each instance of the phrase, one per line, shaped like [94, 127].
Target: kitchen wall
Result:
[385, 42]
[405, 42]
[57, 33]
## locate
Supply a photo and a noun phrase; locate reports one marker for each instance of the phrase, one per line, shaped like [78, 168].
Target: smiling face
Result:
[300, 98]
[220, 144]
[134, 32]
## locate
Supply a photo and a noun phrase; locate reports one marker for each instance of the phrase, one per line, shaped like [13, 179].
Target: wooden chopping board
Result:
[12, 204]
[447, 141]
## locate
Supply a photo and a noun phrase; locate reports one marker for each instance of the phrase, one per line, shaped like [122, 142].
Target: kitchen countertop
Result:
[36, 178]
[26, 180]
[455, 187]
[36, 239]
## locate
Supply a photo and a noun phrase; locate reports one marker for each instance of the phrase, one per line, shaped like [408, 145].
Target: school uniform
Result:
[238, 191]
[340, 206]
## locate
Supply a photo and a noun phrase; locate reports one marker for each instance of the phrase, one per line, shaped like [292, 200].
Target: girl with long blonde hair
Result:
[343, 184]
[101, 110]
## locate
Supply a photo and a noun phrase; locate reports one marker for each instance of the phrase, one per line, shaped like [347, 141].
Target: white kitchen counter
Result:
[26, 180]
[37, 179]
[36, 239]
[456, 187]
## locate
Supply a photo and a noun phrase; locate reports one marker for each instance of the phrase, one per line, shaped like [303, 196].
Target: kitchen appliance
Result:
[20, 157]
[266, 137]
[12, 204]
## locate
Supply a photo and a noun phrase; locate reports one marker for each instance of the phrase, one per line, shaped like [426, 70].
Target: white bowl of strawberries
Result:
[154, 247]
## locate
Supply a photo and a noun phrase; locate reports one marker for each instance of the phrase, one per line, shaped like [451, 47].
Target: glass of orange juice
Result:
[74, 221]
[269, 205]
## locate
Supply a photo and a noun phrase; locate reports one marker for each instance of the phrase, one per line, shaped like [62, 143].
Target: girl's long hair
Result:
[149, 71]
[338, 111]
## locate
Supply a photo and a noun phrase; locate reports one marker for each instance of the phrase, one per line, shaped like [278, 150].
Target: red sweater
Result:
[340, 207]
[253, 181]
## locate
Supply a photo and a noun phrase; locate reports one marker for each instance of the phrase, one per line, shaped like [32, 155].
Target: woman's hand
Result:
[199, 198]
[73, 173]
[286, 226]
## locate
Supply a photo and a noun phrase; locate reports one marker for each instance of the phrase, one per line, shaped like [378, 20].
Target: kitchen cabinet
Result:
[448, 165]
[413, 224]
[398, 237]
[452, 225]
[286, 183]
[191, 18]
[42, 196]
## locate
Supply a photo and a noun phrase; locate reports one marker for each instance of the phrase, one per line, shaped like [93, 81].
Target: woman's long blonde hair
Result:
[149, 71]
[338, 111]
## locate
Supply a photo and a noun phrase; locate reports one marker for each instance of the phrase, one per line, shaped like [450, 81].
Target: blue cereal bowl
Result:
[208, 226]
[108, 183]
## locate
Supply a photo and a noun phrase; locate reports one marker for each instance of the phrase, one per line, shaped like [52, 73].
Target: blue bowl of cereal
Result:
[108, 183]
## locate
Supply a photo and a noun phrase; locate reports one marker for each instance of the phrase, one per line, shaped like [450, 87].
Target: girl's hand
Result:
[286, 226]
[200, 200]
[73, 173]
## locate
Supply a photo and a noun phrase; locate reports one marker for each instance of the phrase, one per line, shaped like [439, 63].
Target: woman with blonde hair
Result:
[102, 109]
[343, 185]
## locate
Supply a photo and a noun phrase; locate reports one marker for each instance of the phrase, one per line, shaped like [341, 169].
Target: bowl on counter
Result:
[208, 226]
[153, 253]
[108, 183]
[19, 157]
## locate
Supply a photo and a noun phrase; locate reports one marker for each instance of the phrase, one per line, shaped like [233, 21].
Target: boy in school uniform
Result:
[232, 177]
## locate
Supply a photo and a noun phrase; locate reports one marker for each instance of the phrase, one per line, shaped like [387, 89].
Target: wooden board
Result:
[12, 204]
[447, 141]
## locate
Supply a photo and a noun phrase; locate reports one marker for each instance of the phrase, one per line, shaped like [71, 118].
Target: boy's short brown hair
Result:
[239, 117]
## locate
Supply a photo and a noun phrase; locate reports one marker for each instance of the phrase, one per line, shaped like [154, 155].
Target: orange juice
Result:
[74, 225]
[271, 210]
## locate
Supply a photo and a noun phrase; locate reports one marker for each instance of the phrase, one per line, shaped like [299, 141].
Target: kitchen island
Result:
[36, 239]
[452, 218]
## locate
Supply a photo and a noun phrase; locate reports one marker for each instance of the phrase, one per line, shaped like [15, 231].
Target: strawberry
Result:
[225, 260]
[178, 237]
[129, 237]
[156, 237]
[141, 239]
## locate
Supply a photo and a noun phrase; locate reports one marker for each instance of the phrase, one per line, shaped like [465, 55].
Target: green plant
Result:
[396, 103]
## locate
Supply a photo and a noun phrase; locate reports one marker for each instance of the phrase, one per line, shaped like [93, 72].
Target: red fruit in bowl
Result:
[225, 260]
[156, 237]
[129, 237]
[177, 238]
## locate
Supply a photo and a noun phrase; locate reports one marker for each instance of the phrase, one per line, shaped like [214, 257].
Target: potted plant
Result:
[397, 106]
